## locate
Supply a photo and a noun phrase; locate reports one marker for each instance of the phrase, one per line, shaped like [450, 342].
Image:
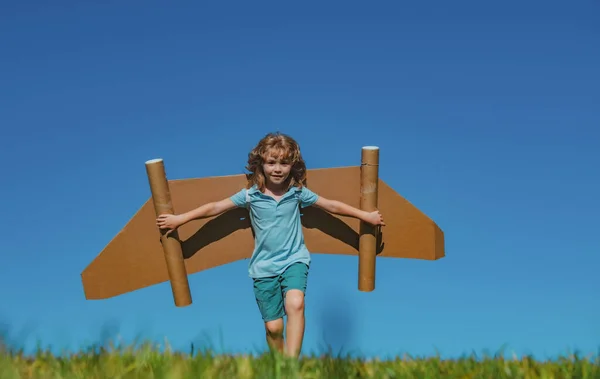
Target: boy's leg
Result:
[269, 299]
[274, 333]
[293, 285]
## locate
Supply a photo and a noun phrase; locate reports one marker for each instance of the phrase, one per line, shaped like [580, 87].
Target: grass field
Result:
[147, 361]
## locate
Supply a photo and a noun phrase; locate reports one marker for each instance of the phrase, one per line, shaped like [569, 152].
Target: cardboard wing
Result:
[135, 259]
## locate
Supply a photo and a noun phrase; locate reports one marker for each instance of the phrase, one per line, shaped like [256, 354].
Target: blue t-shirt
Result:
[279, 240]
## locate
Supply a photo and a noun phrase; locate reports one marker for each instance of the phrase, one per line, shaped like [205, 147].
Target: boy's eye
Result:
[272, 162]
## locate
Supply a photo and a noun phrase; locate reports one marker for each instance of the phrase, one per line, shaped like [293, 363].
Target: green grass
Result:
[147, 361]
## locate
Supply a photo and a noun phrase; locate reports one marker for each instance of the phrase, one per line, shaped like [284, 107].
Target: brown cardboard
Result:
[367, 243]
[161, 200]
[134, 258]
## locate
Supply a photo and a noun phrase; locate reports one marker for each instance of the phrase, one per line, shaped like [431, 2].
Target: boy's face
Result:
[277, 168]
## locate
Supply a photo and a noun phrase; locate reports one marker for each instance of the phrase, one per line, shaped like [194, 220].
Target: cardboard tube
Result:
[161, 197]
[367, 244]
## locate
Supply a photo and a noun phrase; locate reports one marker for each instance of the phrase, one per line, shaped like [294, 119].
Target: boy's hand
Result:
[169, 222]
[375, 218]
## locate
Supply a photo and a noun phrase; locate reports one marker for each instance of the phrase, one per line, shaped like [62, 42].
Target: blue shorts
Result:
[270, 292]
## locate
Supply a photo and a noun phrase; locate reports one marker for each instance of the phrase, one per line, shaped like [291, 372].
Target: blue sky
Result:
[487, 118]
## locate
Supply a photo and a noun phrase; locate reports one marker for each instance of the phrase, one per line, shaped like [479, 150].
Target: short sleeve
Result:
[239, 199]
[307, 197]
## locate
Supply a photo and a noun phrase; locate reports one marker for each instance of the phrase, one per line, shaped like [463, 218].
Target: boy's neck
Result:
[277, 189]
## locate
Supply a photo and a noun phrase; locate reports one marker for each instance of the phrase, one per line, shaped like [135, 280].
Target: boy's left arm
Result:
[343, 209]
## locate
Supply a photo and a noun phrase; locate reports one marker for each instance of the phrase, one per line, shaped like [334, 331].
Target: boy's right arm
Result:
[170, 222]
[208, 210]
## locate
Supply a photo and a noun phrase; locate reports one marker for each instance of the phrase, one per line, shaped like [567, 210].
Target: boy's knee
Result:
[274, 328]
[294, 301]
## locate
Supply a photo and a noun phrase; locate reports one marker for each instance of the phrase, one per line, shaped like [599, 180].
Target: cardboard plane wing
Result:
[135, 257]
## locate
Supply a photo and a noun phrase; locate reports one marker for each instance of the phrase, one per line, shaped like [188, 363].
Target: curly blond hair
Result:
[279, 145]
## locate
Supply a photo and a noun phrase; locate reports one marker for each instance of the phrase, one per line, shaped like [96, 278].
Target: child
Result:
[280, 261]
